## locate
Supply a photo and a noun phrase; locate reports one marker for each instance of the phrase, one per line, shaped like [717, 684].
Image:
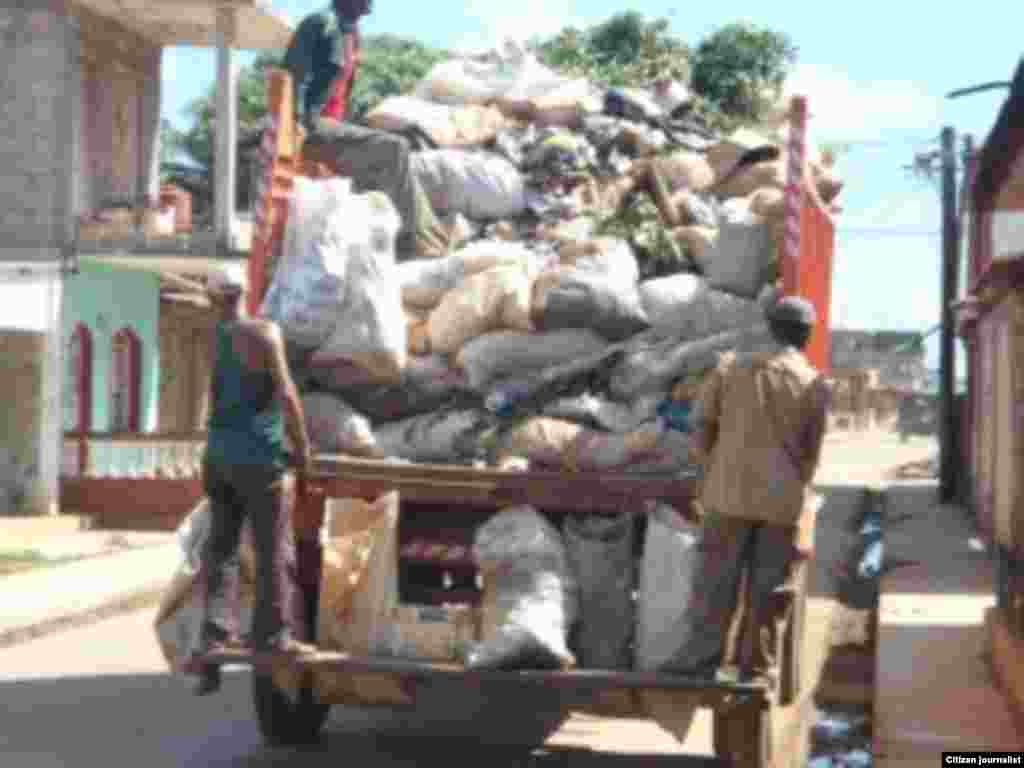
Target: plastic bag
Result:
[738, 259]
[370, 324]
[600, 554]
[606, 414]
[447, 126]
[508, 72]
[482, 186]
[607, 257]
[573, 299]
[308, 284]
[424, 282]
[492, 300]
[333, 427]
[562, 444]
[443, 436]
[359, 579]
[685, 306]
[666, 581]
[529, 599]
[653, 361]
[427, 385]
[503, 353]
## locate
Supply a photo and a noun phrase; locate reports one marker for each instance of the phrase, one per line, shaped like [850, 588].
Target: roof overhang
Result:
[999, 181]
[194, 22]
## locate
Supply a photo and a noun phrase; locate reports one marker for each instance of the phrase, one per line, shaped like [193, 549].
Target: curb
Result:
[137, 600]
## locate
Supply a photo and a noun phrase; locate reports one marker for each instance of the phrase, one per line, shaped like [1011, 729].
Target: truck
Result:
[443, 505]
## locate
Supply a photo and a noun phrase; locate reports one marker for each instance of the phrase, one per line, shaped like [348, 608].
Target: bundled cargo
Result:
[604, 247]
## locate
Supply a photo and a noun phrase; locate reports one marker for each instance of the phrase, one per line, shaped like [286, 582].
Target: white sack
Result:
[666, 582]
[479, 185]
[685, 306]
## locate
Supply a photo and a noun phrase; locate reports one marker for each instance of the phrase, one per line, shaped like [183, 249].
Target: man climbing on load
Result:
[762, 428]
[323, 58]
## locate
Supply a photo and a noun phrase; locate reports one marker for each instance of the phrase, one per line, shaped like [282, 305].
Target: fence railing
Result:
[132, 455]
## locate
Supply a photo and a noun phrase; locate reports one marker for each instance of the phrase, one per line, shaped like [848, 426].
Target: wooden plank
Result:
[715, 693]
[583, 491]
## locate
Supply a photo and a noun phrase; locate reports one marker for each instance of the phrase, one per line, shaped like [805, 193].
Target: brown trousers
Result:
[264, 495]
[725, 629]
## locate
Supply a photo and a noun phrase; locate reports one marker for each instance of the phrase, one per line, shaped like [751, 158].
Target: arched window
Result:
[78, 387]
[125, 381]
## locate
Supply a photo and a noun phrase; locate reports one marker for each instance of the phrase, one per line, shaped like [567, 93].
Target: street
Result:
[100, 696]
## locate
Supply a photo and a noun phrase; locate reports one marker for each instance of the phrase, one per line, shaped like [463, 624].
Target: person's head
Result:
[353, 9]
[791, 320]
[226, 287]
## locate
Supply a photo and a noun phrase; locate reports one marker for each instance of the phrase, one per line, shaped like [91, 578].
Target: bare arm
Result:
[285, 389]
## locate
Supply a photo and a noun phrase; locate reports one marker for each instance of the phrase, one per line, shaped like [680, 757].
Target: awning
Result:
[194, 22]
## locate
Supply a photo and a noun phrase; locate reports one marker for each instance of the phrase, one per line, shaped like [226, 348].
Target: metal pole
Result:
[949, 458]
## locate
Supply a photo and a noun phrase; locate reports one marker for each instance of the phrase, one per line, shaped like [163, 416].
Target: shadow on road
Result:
[153, 721]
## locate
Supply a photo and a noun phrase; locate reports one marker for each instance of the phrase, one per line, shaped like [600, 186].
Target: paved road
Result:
[100, 696]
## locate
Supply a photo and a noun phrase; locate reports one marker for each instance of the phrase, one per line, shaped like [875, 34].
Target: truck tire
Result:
[281, 722]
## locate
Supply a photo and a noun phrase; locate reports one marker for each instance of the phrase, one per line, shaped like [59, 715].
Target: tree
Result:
[739, 70]
[390, 66]
[625, 50]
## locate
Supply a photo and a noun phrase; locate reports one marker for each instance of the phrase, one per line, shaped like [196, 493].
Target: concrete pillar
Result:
[227, 128]
[31, 364]
[39, 115]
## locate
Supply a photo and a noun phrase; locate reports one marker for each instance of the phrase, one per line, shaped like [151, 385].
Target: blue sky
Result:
[875, 74]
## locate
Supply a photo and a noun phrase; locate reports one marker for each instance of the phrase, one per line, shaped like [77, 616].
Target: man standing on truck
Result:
[323, 58]
[253, 401]
[763, 425]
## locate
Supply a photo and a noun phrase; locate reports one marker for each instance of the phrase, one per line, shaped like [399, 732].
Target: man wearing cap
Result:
[323, 58]
[764, 417]
[253, 403]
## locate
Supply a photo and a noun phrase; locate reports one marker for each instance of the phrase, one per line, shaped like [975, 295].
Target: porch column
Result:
[227, 128]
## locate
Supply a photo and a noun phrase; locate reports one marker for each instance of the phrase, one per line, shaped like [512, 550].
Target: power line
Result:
[889, 232]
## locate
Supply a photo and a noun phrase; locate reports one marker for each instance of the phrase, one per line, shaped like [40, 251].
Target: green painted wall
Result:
[106, 299]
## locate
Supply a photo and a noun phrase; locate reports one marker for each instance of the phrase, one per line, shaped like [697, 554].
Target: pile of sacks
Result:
[540, 336]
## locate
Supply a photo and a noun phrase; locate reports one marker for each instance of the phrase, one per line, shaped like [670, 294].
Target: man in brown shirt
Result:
[763, 424]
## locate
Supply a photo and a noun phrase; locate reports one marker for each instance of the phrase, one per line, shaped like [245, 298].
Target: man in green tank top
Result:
[253, 401]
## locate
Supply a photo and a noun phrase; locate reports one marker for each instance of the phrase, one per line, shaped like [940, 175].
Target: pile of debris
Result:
[606, 250]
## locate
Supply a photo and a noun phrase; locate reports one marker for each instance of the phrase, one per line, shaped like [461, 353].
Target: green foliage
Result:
[739, 69]
[390, 66]
[626, 50]
[639, 223]
[198, 140]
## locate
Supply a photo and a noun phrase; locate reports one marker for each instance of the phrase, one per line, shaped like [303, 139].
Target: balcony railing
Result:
[132, 455]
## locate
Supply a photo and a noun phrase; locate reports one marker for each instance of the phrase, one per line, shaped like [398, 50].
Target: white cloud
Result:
[520, 20]
[862, 110]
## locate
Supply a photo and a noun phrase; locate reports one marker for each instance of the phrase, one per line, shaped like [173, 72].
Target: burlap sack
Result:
[685, 170]
[491, 300]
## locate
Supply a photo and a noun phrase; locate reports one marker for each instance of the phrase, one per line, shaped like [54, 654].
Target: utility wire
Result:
[888, 232]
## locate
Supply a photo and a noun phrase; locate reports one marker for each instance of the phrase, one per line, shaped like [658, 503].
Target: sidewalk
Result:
[118, 571]
[934, 685]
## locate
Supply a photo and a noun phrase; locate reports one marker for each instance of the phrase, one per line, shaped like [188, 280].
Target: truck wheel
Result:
[281, 722]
